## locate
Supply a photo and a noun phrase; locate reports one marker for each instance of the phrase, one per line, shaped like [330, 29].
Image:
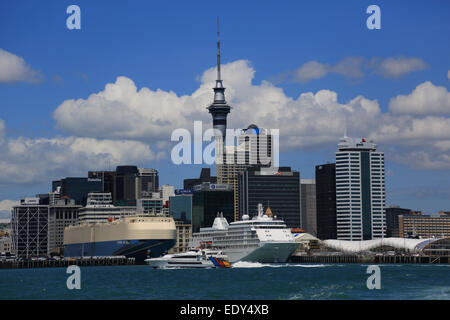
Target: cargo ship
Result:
[138, 237]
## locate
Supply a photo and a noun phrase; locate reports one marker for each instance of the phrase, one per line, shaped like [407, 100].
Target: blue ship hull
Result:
[138, 249]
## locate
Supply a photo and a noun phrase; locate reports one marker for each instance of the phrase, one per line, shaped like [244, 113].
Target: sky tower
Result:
[219, 108]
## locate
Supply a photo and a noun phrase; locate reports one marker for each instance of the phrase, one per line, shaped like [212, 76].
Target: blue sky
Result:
[170, 46]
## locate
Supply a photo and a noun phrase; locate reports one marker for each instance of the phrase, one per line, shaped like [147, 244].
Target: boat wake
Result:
[245, 264]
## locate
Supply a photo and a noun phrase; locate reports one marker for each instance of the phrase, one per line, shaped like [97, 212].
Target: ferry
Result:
[263, 238]
[138, 236]
[194, 258]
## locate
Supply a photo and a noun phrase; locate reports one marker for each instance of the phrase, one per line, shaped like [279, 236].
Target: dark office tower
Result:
[107, 178]
[78, 188]
[125, 185]
[147, 182]
[326, 201]
[205, 176]
[208, 200]
[219, 109]
[392, 226]
[280, 190]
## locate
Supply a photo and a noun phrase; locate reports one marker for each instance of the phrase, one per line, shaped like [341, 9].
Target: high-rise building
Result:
[360, 190]
[77, 188]
[254, 149]
[62, 213]
[326, 201]
[147, 182]
[205, 176]
[392, 214]
[180, 207]
[107, 178]
[29, 229]
[209, 200]
[308, 206]
[278, 189]
[125, 186]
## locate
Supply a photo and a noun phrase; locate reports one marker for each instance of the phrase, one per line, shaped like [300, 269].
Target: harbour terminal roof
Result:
[405, 244]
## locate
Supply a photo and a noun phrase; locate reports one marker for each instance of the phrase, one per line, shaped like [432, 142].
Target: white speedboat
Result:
[194, 258]
[263, 238]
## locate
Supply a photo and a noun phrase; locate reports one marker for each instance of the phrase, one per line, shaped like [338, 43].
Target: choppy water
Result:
[243, 281]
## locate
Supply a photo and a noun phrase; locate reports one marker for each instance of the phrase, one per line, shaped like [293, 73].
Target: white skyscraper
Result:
[360, 190]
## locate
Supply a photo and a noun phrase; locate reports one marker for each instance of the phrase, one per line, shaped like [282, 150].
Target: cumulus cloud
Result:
[425, 99]
[25, 160]
[312, 120]
[122, 110]
[118, 124]
[14, 69]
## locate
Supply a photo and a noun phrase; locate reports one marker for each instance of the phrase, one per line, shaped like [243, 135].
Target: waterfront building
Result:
[205, 176]
[392, 214]
[208, 200]
[424, 225]
[308, 206]
[5, 245]
[360, 190]
[184, 234]
[277, 189]
[326, 201]
[99, 208]
[29, 229]
[62, 213]
[77, 188]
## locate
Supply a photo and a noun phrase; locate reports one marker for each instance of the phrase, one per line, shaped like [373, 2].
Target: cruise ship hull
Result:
[266, 252]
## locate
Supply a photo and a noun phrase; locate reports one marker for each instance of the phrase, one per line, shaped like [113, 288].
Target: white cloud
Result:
[124, 111]
[312, 70]
[117, 125]
[355, 67]
[14, 69]
[424, 100]
[396, 67]
[6, 207]
[24, 160]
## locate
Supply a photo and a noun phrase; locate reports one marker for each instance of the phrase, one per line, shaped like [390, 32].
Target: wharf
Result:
[82, 262]
[377, 259]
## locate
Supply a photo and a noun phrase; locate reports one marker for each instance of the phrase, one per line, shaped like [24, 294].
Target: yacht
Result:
[263, 238]
[194, 258]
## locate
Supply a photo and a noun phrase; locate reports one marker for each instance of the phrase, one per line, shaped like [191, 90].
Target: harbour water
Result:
[243, 281]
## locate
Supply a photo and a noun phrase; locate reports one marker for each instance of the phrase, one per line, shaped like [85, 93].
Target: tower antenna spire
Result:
[218, 51]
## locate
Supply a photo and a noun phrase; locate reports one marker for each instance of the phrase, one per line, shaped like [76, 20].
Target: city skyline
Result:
[93, 107]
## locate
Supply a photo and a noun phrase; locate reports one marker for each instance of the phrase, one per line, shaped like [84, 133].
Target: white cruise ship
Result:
[260, 239]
